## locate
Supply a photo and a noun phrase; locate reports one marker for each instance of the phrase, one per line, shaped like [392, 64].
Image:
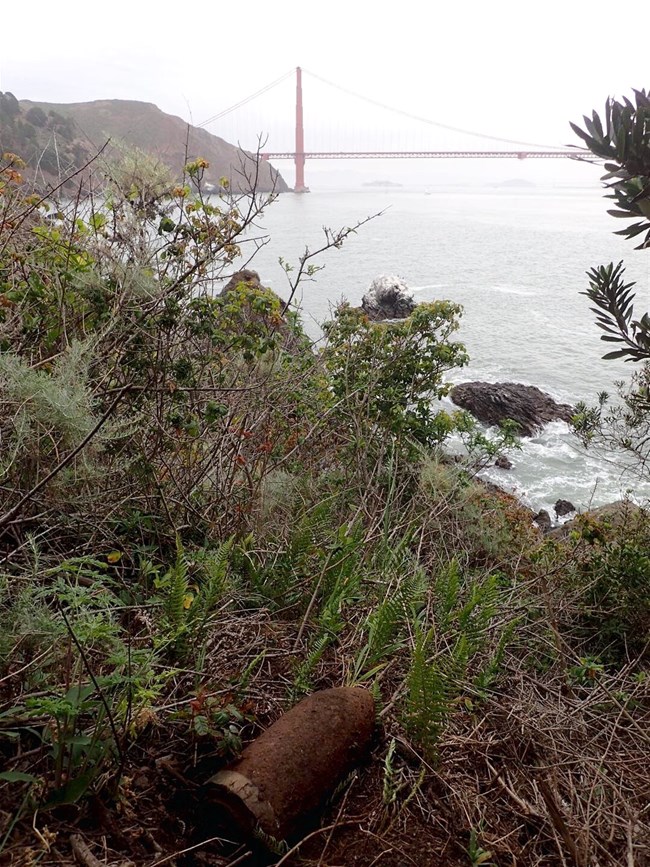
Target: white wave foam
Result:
[506, 289]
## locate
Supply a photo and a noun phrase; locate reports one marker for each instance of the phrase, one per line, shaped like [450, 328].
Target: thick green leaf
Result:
[17, 777]
[72, 791]
[619, 353]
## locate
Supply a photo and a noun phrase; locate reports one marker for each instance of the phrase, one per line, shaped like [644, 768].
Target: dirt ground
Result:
[533, 776]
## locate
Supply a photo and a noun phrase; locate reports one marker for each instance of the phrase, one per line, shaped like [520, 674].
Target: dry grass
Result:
[542, 772]
[501, 738]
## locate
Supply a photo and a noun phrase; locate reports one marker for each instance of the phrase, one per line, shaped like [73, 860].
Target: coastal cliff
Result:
[56, 139]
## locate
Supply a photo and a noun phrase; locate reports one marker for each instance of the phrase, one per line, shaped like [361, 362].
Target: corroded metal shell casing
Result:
[290, 769]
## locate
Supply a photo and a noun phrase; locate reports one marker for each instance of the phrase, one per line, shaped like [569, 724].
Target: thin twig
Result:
[315, 833]
[100, 693]
[196, 846]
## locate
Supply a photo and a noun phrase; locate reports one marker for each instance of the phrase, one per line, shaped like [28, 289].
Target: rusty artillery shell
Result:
[292, 767]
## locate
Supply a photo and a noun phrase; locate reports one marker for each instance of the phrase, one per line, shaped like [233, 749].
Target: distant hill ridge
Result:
[55, 138]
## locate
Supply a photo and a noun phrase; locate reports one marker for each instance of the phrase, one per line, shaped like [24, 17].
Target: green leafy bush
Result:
[391, 373]
[614, 574]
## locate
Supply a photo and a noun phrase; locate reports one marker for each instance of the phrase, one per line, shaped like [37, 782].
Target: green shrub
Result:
[614, 577]
[391, 373]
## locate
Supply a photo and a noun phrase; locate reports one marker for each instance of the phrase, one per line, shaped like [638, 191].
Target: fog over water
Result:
[515, 257]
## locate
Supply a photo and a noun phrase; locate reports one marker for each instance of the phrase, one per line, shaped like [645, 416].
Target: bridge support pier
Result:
[299, 154]
[300, 174]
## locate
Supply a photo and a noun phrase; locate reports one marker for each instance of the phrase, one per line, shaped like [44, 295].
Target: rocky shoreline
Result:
[387, 299]
[531, 409]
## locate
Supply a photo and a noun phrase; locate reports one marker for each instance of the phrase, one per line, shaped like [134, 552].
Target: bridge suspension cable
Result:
[427, 120]
[247, 99]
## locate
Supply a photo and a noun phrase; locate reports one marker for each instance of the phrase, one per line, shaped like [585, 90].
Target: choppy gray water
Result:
[516, 260]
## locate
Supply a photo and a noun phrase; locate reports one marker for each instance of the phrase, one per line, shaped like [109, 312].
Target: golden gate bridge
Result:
[299, 155]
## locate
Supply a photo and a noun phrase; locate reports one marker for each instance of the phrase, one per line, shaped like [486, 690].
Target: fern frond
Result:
[429, 695]
[383, 625]
[302, 680]
[476, 616]
[344, 592]
[215, 567]
[309, 532]
[486, 676]
[405, 591]
[344, 558]
[447, 591]
[391, 786]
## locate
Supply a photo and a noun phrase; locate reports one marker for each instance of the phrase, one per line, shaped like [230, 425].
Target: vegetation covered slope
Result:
[202, 520]
[55, 139]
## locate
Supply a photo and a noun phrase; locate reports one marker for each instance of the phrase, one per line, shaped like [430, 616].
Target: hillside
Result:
[256, 608]
[54, 138]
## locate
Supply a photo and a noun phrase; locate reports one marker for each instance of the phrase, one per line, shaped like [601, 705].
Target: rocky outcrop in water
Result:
[388, 297]
[543, 520]
[494, 402]
[564, 507]
[246, 275]
[265, 319]
[610, 519]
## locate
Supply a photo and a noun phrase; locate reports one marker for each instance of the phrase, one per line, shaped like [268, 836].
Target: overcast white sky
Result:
[513, 68]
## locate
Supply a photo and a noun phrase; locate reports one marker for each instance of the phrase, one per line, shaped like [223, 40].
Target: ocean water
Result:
[515, 258]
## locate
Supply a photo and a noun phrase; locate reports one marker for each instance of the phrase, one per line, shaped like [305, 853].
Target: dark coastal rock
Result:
[611, 520]
[503, 463]
[388, 298]
[543, 520]
[290, 339]
[252, 280]
[494, 402]
[246, 275]
[564, 507]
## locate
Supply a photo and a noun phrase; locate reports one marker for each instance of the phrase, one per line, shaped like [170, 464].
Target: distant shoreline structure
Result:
[381, 184]
[521, 183]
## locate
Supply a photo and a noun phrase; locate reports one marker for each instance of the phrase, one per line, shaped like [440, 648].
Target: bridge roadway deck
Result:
[404, 155]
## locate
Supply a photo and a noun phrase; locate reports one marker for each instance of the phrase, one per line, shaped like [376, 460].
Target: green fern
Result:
[486, 676]
[383, 627]
[342, 559]
[214, 584]
[302, 683]
[273, 844]
[339, 592]
[465, 608]
[428, 698]
[313, 527]
[387, 626]
[475, 617]
[464, 614]
[375, 692]
[392, 784]
[280, 581]
[176, 581]
[245, 677]
[447, 594]
[341, 595]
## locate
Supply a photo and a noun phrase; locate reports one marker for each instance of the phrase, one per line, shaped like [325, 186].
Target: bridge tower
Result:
[299, 155]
